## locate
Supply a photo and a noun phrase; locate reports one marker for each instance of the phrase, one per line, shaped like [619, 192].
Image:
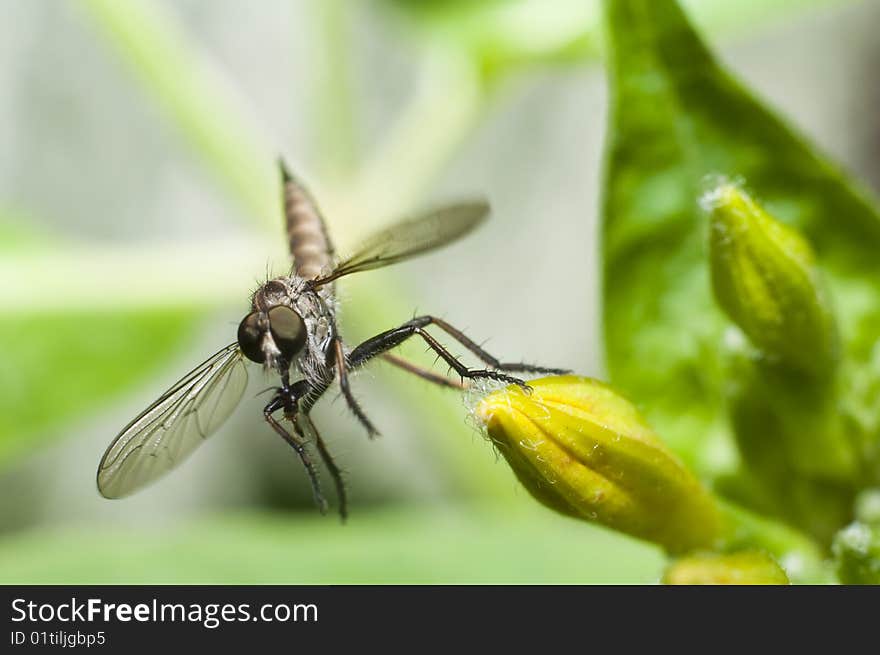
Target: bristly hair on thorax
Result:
[317, 307]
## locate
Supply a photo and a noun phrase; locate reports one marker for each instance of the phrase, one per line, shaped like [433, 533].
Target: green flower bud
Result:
[798, 453]
[764, 277]
[749, 567]
[856, 551]
[582, 450]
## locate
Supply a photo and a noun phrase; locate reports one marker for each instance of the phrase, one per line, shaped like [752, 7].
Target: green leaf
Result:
[63, 360]
[15, 234]
[677, 116]
[403, 547]
[63, 365]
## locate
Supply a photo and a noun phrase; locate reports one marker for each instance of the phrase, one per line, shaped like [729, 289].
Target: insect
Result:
[291, 330]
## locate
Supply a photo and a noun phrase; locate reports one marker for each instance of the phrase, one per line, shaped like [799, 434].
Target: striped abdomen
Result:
[307, 238]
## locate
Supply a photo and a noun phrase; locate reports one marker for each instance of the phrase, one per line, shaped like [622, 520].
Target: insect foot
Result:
[489, 374]
[582, 450]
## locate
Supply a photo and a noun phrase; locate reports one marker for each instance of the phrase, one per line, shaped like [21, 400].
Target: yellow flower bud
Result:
[582, 450]
[749, 567]
[764, 277]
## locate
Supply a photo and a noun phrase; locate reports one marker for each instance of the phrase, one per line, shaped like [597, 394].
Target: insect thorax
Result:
[317, 307]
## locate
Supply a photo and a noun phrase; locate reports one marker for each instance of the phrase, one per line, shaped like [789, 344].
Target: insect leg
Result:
[297, 442]
[309, 392]
[342, 369]
[424, 373]
[329, 462]
[389, 339]
[468, 343]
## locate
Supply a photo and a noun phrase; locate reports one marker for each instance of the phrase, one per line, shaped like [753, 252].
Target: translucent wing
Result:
[411, 237]
[165, 433]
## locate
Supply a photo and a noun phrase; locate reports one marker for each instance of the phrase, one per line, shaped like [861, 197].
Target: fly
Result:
[291, 330]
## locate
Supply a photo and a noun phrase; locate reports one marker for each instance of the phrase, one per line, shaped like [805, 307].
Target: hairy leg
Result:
[297, 442]
[354, 406]
[485, 357]
[389, 339]
[329, 462]
[423, 373]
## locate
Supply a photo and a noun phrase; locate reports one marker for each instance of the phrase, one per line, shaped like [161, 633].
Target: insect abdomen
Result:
[307, 237]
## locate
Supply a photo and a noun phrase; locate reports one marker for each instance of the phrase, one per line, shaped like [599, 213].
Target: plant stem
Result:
[445, 109]
[211, 116]
[136, 276]
[333, 116]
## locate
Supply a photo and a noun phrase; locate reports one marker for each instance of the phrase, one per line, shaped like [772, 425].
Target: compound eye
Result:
[288, 330]
[250, 337]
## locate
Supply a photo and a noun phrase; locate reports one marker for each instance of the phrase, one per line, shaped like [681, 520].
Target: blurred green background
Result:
[139, 206]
